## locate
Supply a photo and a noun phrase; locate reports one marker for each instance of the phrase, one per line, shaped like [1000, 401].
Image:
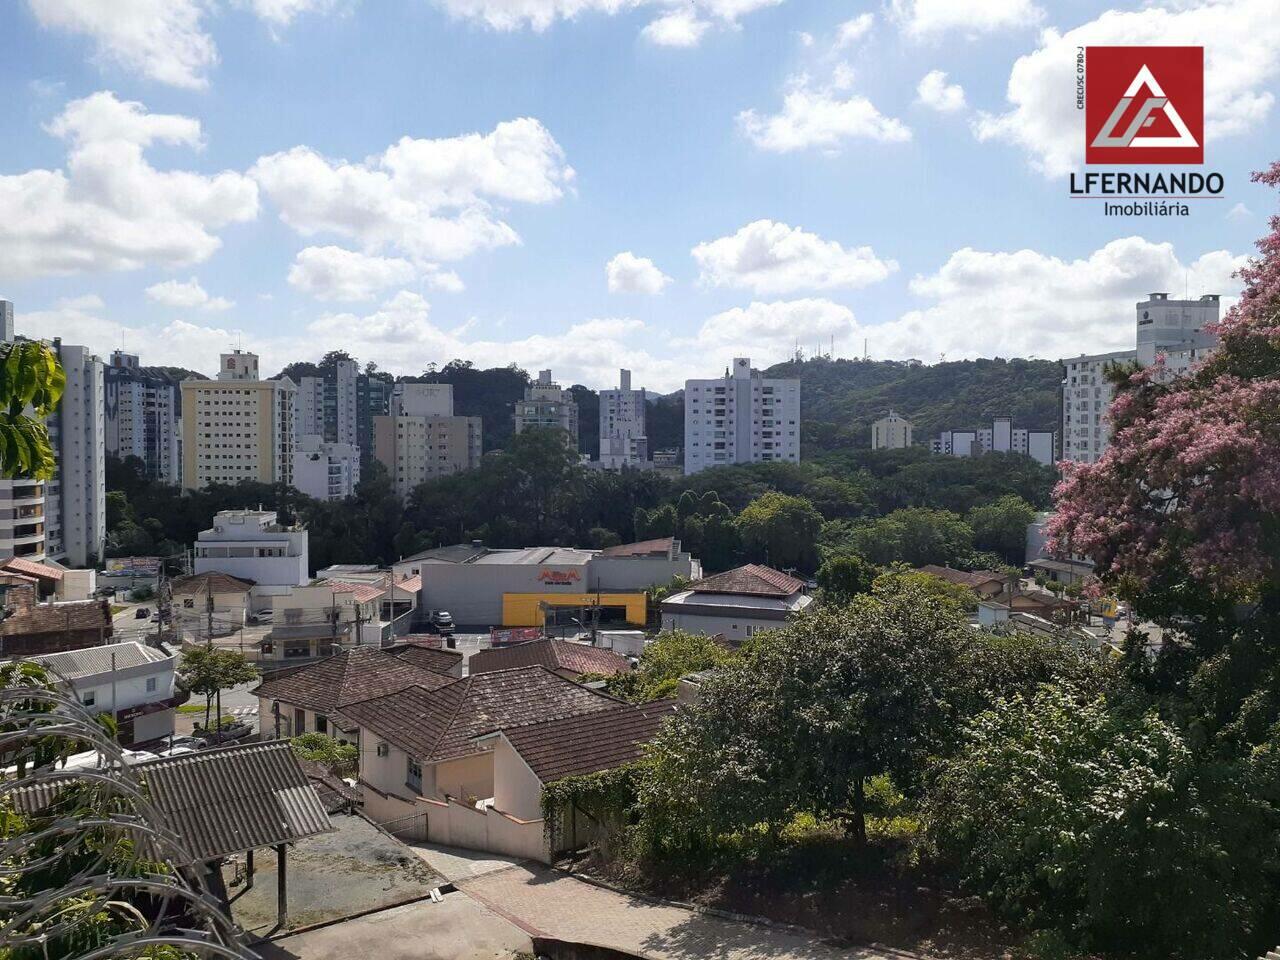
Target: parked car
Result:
[105, 592]
[176, 751]
[230, 733]
[189, 743]
[142, 613]
[442, 622]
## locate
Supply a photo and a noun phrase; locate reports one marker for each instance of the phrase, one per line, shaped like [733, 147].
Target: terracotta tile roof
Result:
[576, 658]
[202, 583]
[68, 615]
[754, 580]
[572, 746]
[364, 592]
[438, 724]
[346, 677]
[409, 584]
[229, 799]
[31, 568]
[642, 548]
[428, 657]
[965, 578]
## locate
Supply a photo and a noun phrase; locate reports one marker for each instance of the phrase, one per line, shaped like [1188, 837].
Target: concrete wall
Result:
[731, 628]
[516, 789]
[470, 776]
[636, 573]
[457, 825]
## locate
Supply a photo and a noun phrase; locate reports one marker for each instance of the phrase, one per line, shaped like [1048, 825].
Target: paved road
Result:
[544, 901]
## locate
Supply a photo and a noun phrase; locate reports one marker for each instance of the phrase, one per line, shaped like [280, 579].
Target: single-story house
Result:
[985, 583]
[563, 657]
[54, 579]
[1065, 572]
[736, 604]
[307, 699]
[30, 628]
[227, 596]
[425, 650]
[425, 753]
[1045, 605]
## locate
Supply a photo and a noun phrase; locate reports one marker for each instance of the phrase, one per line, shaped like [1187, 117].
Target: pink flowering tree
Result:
[1183, 509]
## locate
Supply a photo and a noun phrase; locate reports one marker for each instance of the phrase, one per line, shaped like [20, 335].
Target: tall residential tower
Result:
[740, 418]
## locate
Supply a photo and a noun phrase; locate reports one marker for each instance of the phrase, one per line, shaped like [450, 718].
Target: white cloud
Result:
[186, 296]
[1027, 303]
[768, 258]
[110, 209]
[164, 40]
[820, 117]
[931, 18]
[334, 273]
[400, 337]
[1241, 40]
[88, 301]
[675, 25]
[851, 31]
[1239, 212]
[281, 13]
[934, 92]
[679, 28]
[628, 273]
[425, 199]
[770, 332]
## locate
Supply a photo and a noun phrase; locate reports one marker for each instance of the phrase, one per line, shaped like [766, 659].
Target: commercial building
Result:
[535, 586]
[891, 432]
[1177, 330]
[325, 470]
[623, 442]
[1000, 437]
[237, 427]
[548, 407]
[736, 604]
[740, 418]
[132, 682]
[252, 545]
[143, 416]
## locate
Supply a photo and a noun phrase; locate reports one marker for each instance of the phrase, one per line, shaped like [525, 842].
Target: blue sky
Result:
[418, 180]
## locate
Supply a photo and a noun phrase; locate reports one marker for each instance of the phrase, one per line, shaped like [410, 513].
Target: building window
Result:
[413, 775]
[89, 698]
[322, 724]
[151, 684]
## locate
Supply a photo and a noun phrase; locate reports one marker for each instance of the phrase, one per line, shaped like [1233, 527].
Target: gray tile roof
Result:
[230, 799]
[347, 677]
[86, 662]
[571, 746]
[752, 580]
[577, 658]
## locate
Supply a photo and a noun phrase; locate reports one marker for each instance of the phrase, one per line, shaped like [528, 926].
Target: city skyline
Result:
[649, 187]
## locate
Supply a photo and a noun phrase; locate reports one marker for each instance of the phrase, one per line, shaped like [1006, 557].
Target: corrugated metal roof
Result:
[88, 661]
[230, 799]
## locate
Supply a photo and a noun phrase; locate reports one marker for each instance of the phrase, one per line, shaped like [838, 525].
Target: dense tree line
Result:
[534, 491]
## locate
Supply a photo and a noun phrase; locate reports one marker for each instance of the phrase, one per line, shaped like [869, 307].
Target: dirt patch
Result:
[353, 870]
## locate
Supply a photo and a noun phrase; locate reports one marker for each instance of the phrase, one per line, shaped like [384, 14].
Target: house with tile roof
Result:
[226, 597]
[563, 657]
[736, 604]
[985, 583]
[308, 699]
[30, 627]
[428, 751]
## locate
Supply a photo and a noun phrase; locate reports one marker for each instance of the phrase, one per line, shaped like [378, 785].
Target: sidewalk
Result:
[545, 902]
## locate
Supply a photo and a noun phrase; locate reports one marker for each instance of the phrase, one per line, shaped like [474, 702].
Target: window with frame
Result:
[413, 774]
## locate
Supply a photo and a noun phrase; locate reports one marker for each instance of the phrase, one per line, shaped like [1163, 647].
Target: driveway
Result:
[457, 928]
[547, 902]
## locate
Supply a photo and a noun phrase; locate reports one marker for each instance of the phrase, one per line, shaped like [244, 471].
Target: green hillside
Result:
[839, 399]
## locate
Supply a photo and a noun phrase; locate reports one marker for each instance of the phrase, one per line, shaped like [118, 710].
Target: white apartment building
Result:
[891, 432]
[252, 545]
[546, 405]
[623, 442]
[143, 417]
[237, 427]
[421, 400]
[328, 407]
[325, 470]
[1175, 329]
[132, 682]
[1000, 437]
[75, 507]
[740, 418]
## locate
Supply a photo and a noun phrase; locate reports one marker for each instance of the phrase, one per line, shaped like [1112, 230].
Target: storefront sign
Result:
[559, 578]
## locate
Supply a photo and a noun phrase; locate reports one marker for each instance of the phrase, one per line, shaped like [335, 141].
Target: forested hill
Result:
[839, 399]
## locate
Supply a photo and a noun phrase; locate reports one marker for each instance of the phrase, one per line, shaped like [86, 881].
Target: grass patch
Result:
[191, 708]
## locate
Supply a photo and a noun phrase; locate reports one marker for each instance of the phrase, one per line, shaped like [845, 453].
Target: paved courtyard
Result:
[550, 903]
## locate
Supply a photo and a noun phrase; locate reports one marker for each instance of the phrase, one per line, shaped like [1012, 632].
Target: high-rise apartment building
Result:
[546, 405]
[340, 406]
[1000, 437]
[325, 470]
[740, 418]
[1173, 329]
[891, 432]
[421, 400]
[416, 449]
[623, 442]
[237, 427]
[143, 416]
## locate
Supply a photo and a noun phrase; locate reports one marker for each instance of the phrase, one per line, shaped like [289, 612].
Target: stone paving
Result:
[548, 902]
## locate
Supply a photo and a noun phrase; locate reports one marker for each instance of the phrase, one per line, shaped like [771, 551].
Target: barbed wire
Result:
[97, 832]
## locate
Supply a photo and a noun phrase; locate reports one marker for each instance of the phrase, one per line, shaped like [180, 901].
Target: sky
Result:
[591, 184]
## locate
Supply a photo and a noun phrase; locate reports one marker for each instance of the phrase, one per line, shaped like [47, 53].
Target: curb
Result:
[321, 924]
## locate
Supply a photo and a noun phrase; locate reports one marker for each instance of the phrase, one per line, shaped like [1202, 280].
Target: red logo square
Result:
[1144, 105]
